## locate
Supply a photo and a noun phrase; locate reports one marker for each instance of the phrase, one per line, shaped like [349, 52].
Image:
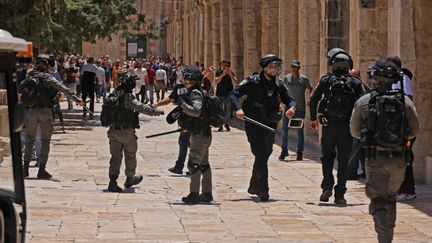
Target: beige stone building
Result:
[121, 48]
[245, 30]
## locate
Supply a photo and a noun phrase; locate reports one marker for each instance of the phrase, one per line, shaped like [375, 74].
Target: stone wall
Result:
[306, 30]
[245, 30]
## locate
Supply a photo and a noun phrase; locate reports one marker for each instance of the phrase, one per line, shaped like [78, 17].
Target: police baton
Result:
[163, 133]
[83, 106]
[259, 124]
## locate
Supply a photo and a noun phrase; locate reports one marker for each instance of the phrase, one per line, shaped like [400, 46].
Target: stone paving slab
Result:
[74, 207]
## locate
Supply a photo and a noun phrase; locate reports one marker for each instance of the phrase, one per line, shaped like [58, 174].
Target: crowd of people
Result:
[341, 104]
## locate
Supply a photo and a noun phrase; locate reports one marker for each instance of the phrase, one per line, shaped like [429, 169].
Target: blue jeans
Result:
[151, 91]
[184, 138]
[227, 108]
[300, 133]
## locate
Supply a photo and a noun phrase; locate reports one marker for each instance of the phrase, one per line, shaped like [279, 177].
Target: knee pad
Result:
[193, 168]
[204, 168]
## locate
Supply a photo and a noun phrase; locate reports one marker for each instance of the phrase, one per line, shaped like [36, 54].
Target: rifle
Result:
[163, 133]
[259, 124]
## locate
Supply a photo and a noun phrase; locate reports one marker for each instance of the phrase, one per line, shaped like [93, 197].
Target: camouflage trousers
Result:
[384, 176]
[43, 118]
[198, 163]
[122, 141]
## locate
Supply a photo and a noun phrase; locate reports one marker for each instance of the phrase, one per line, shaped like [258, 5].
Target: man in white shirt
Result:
[161, 82]
[100, 81]
[179, 74]
[140, 88]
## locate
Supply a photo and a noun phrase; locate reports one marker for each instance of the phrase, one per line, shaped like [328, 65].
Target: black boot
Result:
[113, 187]
[227, 127]
[26, 168]
[252, 190]
[192, 198]
[43, 174]
[299, 156]
[130, 181]
[206, 197]
[264, 196]
[283, 154]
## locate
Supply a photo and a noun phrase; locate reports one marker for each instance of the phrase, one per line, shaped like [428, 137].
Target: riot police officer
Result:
[385, 165]
[336, 91]
[264, 92]
[121, 133]
[40, 112]
[195, 120]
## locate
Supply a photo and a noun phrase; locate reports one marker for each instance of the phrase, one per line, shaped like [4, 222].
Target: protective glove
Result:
[178, 101]
[157, 112]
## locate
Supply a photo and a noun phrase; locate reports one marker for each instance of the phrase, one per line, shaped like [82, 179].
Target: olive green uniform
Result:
[385, 171]
[200, 141]
[122, 139]
[41, 114]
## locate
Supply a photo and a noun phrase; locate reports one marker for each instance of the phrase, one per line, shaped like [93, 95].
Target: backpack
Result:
[115, 114]
[30, 90]
[110, 110]
[215, 111]
[387, 123]
[341, 98]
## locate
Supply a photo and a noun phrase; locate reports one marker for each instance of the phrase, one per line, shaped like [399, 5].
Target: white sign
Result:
[132, 49]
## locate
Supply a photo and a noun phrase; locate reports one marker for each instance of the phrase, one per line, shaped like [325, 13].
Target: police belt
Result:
[121, 127]
[38, 107]
[389, 153]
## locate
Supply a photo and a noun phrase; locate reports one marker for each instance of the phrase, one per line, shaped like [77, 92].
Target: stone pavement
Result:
[73, 207]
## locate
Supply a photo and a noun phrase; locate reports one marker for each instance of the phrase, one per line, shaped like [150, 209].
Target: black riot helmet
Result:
[340, 61]
[269, 58]
[41, 63]
[384, 71]
[128, 80]
[193, 74]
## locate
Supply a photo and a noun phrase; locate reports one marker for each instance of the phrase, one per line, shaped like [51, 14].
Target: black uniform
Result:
[335, 133]
[262, 104]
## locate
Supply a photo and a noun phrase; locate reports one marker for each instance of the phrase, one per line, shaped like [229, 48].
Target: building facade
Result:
[242, 31]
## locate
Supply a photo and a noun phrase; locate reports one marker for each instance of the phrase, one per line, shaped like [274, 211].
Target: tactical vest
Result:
[263, 100]
[199, 125]
[44, 93]
[114, 112]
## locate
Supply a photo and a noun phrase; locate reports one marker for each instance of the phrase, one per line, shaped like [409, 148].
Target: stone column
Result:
[401, 32]
[201, 33]
[371, 22]
[192, 37]
[196, 34]
[288, 33]
[270, 27]
[208, 38]
[224, 29]
[309, 38]
[236, 37]
[216, 31]
[178, 35]
[423, 88]
[186, 35]
[252, 36]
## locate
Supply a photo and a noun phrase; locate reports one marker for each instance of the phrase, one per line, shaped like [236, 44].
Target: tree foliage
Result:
[62, 25]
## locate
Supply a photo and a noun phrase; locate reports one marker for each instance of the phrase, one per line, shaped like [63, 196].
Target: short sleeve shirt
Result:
[297, 87]
[408, 86]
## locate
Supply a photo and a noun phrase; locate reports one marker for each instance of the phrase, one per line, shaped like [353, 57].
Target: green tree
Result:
[62, 25]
